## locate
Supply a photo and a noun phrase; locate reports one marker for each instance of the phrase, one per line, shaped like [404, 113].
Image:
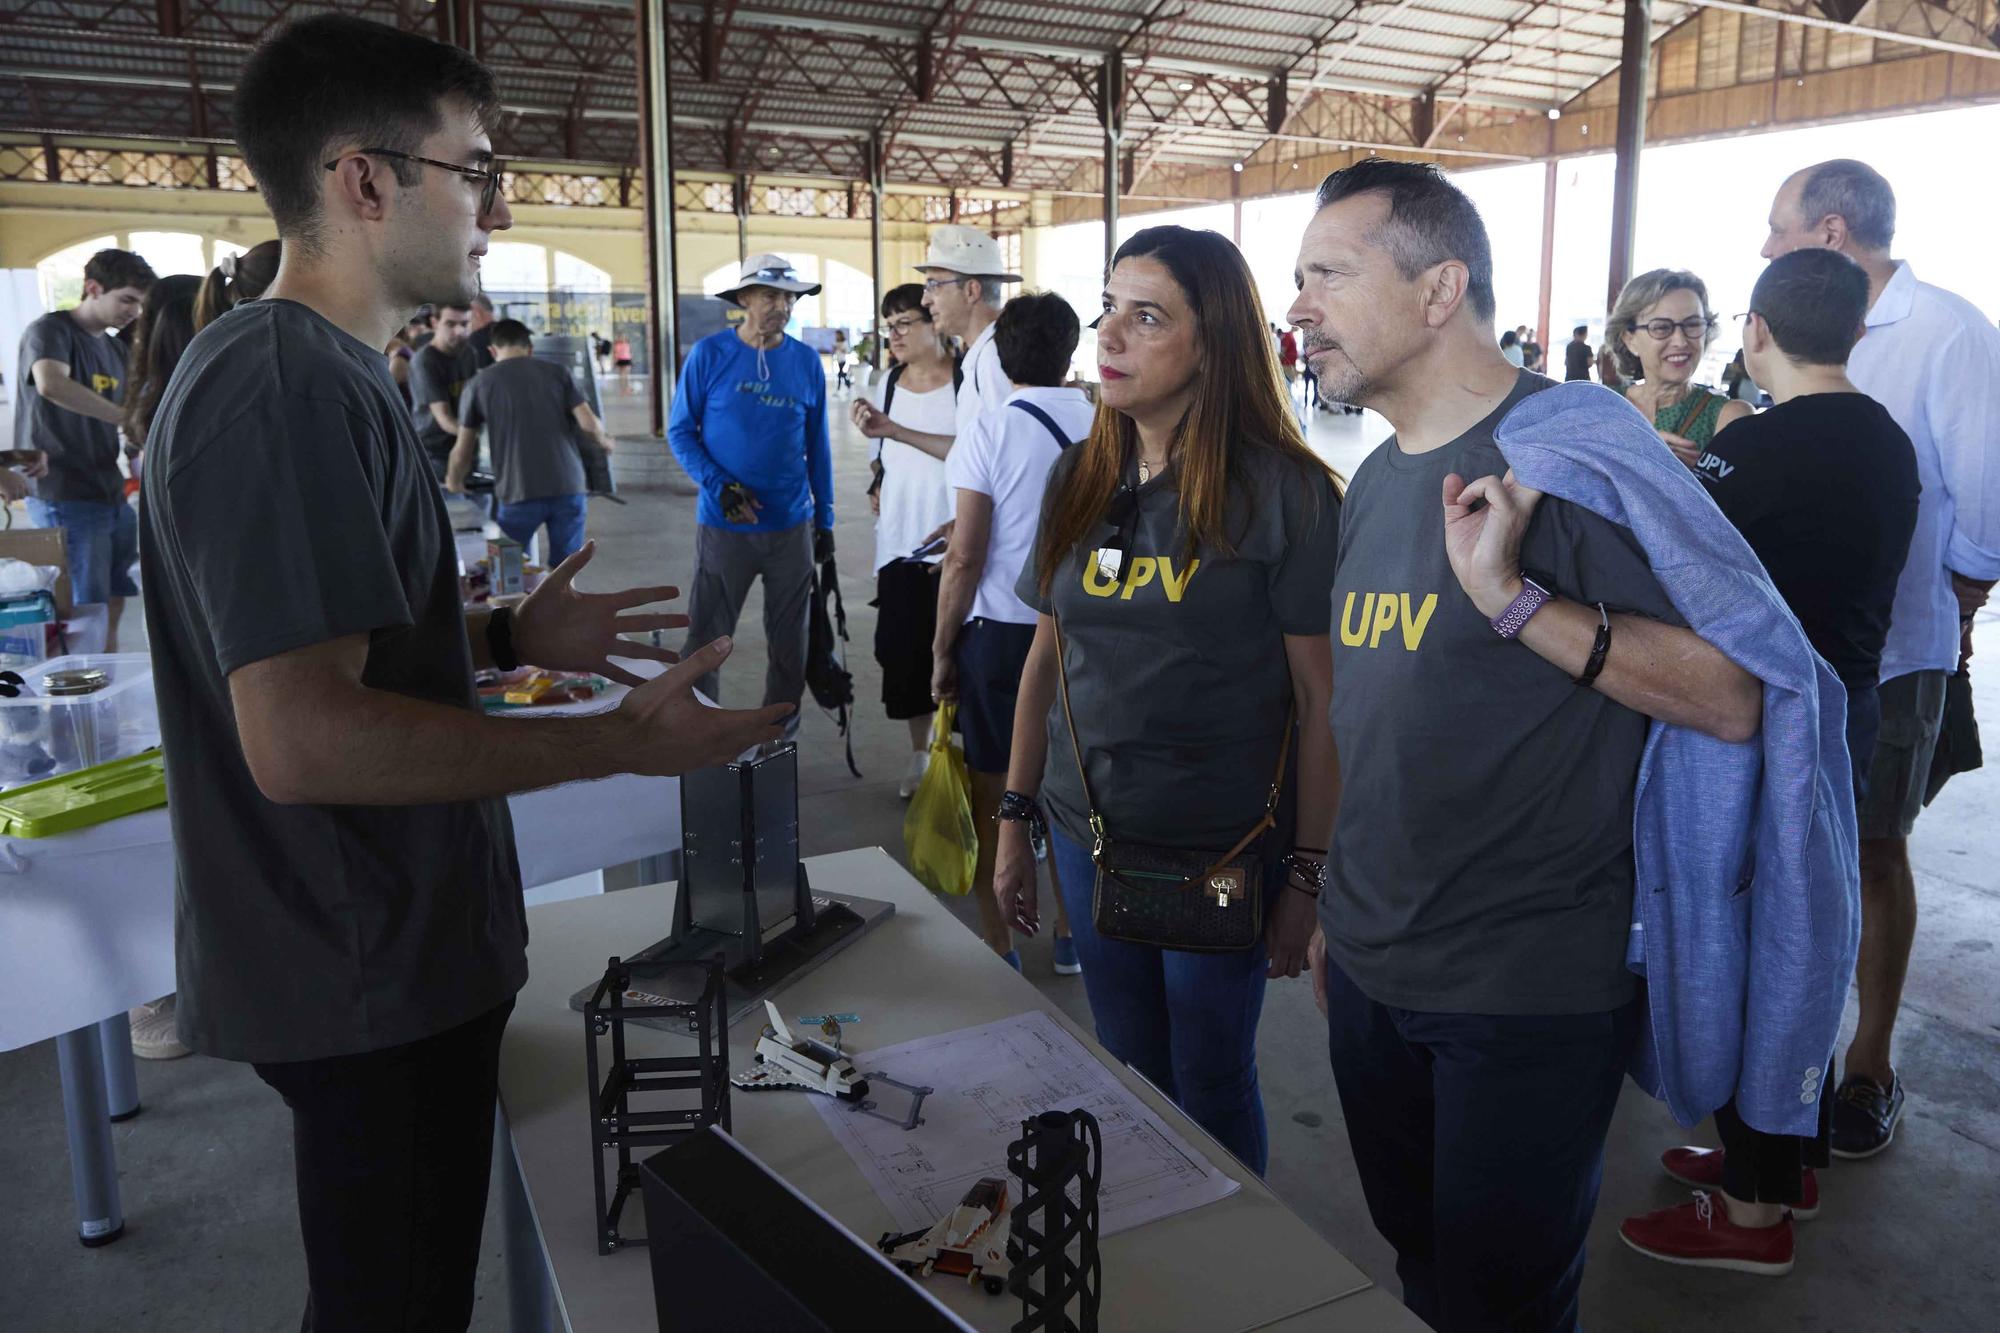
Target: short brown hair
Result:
[112, 269]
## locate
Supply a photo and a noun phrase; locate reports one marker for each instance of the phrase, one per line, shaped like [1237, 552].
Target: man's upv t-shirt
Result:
[1482, 858]
[1177, 669]
[286, 505]
[527, 408]
[437, 376]
[1824, 488]
[83, 451]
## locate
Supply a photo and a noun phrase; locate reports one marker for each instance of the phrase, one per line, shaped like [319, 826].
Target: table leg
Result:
[121, 1075]
[93, 1164]
[530, 1289]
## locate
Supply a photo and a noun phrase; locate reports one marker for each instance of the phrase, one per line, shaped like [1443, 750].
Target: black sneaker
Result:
[1865, 1115]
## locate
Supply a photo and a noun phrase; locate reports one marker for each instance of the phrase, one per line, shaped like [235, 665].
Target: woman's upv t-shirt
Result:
[1178, 676]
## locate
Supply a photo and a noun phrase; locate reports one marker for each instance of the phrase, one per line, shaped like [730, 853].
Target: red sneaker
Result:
[1700, 1235]
[1701, 1168]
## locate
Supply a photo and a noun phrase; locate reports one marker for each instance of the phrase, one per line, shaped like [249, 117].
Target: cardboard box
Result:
[505, 566]
[41, 546]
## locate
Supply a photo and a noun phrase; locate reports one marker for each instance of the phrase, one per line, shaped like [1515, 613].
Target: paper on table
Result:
[988, 1079]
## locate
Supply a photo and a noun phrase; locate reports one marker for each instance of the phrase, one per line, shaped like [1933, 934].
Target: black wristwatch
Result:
[500, 639]
[1014, 806]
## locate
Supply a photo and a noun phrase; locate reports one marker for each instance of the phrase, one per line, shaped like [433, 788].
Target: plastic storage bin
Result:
[44, 736]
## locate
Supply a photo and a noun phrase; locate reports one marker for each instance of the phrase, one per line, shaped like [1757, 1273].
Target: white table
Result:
[87, 932]
[1245, 1262]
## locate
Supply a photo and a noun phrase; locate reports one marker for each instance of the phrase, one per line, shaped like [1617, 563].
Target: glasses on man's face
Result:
[489, 174]
[897, 327]
[1662, 329]
[932, 284]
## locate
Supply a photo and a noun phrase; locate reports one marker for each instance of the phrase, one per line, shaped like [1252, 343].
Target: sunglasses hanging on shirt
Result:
[1123, 516]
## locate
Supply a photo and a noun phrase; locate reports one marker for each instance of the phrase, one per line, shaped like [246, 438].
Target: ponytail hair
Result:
[238, 278]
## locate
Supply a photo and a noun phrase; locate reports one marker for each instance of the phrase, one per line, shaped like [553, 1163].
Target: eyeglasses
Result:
[896, 326]
[932, 284]
[489, 174]
[1662, 329]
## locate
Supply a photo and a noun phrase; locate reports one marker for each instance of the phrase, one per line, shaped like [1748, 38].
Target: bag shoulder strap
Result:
[1048, 422]
[889, 386]
[1262, 826]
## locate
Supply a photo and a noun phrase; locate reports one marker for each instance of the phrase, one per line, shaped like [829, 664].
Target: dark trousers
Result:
[1479, 1140]
[392, 1150]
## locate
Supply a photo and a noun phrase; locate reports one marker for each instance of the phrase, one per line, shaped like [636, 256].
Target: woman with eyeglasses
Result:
[1171, 717]
[1658, 331]
[910, 500]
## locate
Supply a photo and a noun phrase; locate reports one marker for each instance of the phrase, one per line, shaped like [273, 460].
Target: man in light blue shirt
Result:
[1933, 360]
[749, 426]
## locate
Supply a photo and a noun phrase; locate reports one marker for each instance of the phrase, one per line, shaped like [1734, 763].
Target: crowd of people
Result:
[1636, 709]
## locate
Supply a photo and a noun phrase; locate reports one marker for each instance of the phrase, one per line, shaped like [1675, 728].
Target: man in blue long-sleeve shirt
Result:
[749, 425]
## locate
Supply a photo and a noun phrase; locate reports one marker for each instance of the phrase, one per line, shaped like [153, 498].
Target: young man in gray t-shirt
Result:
[531, 412]
[1480, 882]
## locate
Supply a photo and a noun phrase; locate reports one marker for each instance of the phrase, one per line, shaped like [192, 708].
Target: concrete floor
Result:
[1904, 1241]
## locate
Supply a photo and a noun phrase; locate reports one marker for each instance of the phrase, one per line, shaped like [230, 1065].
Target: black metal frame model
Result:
[1059, 1160]
[614, 1124]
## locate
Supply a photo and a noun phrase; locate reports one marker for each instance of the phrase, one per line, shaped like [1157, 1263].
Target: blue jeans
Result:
[1187, 1021]
[1479, 1140]
[564, 515]
[102, 541]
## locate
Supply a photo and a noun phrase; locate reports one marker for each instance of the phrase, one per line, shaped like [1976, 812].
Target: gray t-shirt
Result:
[525, 406]
[287, 504]
[83, 451]
[438, 376]
[1482, 860]
[1177, 671]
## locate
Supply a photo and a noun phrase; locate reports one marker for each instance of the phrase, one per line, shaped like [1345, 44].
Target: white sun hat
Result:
[966, 250]
[774, 271]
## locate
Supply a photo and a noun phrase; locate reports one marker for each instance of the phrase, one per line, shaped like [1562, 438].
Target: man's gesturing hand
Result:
[565, 630]
[1483, 525]
[670, 732]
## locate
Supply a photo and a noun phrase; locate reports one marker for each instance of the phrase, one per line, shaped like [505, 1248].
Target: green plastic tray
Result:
[87, 796]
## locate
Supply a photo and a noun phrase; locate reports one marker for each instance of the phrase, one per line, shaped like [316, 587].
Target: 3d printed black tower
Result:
[1059, 1160]
[614, 1124]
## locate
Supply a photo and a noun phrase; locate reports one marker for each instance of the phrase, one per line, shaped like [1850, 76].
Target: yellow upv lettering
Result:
[1175, 587]
[1413, 629]
[1143, 569]
[1353, 634]
[1385, 616]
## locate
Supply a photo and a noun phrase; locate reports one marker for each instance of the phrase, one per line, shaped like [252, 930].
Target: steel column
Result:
[656, 110]
[1634, 73]
[875, 243]
[1111, 115]
[1548, 255]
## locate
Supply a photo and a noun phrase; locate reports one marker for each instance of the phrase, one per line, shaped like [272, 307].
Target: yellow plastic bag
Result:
[939, 838]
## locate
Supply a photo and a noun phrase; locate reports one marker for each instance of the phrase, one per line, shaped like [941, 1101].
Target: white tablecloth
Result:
[87, 919]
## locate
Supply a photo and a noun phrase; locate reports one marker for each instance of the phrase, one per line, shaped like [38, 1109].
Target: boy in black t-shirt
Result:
[1824, 488]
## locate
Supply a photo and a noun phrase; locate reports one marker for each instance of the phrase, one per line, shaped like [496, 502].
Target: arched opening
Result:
[59, 277]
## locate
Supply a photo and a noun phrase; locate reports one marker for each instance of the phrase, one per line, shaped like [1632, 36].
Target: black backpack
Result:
[827, 676]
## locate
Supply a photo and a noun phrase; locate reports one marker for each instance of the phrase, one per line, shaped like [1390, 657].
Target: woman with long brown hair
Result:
[1177, 689]
[160, 335]
[238, 278]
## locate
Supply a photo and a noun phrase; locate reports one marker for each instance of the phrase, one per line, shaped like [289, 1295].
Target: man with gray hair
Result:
[1933, 360]
[963, 274]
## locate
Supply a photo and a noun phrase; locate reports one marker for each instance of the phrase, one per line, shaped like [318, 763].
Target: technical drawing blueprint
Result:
[988, 1079]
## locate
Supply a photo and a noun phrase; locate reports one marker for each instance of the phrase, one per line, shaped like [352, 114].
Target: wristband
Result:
[500, 639]
[1532, 598]
[1312, 873]
[1015, 806]
[1599, 648]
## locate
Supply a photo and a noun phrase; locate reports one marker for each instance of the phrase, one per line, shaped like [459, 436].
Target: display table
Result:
[1246, 1262]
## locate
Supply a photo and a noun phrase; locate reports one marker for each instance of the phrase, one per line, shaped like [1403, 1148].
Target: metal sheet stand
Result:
[121, 1075]
[1058, 1161]
[93, 1168]
[531, 1301]
[614, 1124]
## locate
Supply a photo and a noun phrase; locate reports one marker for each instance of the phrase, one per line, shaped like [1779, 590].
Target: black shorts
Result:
[906, 593]
[990, 655]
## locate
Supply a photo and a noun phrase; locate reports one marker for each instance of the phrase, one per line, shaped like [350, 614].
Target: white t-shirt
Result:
[915, 500]
[1006, 455]
[986, 384]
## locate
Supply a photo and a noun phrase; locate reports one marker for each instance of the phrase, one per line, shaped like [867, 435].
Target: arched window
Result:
[579, 275]
[515, 266]
[60, 277]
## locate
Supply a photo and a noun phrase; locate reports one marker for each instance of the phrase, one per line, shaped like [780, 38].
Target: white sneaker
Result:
[919, 761]
[153, 1035]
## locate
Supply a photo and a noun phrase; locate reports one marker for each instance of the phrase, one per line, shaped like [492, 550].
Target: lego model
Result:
[972, 1241]
[782, 1061]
